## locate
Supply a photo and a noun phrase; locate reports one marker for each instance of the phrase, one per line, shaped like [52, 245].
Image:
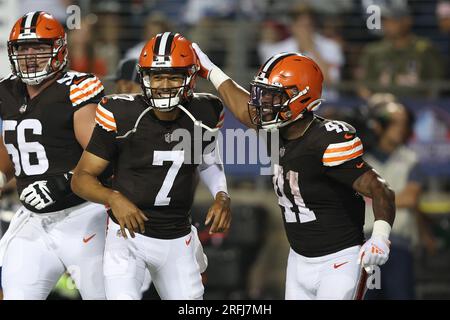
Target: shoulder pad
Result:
[336, 128]
[339, 143]
[114, 108]
[122, 96]
[8, 77]
[209, 109]
[83, 87]
[104, 116]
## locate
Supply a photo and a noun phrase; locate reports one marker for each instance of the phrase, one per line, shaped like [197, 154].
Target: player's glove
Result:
[43, 193]
[208, 69]
[375, 251]
[37, 195]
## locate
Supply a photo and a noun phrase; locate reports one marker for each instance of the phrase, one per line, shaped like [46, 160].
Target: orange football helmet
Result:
[168, 53]
[37, 28]
[286, 86]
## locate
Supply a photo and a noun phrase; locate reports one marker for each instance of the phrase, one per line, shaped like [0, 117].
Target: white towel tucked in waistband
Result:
[17, 222]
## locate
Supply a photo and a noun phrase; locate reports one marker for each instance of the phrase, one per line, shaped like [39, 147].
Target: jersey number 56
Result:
[21, 155]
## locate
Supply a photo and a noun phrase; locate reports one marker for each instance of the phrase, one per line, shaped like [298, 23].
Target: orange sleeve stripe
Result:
[104, 115]
[83, 90]
[90, 92]
[98, 88]
[104, 124]
[332, 150]
[347, 157]
[78, 89]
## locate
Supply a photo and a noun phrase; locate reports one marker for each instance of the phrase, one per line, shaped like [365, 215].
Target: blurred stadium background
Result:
[409, 57]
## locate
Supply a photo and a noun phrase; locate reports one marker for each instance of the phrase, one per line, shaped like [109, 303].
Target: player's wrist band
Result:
[222, 194]
[3, 179]
[218, 185]
[381, 228]
[217, 77]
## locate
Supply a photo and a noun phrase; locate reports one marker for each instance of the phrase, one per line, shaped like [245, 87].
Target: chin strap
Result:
[311, 107]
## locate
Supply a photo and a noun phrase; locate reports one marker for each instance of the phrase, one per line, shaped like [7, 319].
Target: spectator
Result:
[397, 164]
[307, 40]
[82, 55]
[196, 10]
[273, 33]
[443, 16]
[155, 23]
[173, 10]
[57, 8]
[211, 23]
[327, 7]
[401, 63]
[127, 77]
[107, 40]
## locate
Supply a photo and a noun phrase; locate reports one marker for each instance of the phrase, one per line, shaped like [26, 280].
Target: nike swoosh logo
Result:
[78, 81]
[348, 136]
[359, 166]
[188, 241]
[86, 240]
[337, 265]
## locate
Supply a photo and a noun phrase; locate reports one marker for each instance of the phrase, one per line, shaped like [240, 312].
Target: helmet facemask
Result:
[166, 88]
[268, 106]
[49, 58]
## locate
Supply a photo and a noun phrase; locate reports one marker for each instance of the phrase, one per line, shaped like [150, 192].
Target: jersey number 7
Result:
[177, 158]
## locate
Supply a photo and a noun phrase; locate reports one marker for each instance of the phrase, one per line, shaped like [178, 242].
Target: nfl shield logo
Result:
[23, 108]
[282, 151]
[168, 137]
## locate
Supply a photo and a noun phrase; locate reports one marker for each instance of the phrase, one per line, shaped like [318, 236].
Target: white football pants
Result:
[175, 265]
[49, 244]
[336, 276]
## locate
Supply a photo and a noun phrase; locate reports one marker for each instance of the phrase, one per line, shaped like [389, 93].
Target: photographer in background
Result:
[392, 126]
